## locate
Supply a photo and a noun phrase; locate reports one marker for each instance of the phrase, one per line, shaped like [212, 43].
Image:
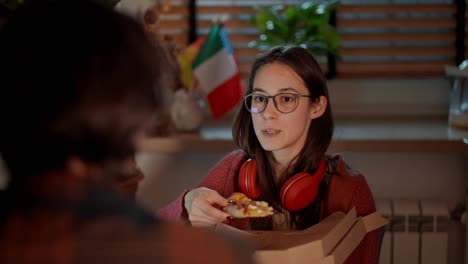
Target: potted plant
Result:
[307, 25]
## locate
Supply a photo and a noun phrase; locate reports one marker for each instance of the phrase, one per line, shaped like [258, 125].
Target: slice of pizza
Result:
[241, 206]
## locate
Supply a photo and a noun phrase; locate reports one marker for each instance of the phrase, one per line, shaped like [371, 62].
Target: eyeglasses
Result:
[284, 102]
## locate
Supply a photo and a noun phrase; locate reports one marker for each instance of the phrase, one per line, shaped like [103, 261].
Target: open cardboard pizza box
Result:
[330, 241]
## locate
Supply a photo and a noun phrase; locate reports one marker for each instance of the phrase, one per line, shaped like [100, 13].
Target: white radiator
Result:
[418, 233]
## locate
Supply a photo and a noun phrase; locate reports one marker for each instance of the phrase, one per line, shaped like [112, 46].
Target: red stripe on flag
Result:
[226, 96]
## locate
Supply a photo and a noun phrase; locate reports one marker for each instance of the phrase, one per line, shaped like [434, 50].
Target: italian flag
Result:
[216, 73]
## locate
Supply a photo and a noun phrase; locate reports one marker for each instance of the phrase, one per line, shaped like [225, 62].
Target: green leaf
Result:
[291, 16]
[305, 25]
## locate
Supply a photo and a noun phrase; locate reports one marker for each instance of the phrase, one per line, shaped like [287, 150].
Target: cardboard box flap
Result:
[318, 240]
[354, 237]
[331, 241]
[374, 221]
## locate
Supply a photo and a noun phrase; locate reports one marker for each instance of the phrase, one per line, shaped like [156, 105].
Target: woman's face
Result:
[284, 134]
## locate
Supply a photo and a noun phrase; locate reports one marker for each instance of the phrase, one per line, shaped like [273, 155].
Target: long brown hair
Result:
[318, 138]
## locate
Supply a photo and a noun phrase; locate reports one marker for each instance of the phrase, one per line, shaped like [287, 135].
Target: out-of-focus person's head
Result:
[78, 82]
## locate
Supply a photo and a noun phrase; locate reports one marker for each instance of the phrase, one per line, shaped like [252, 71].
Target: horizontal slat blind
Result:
[380, 38]
[236, 12]
[395, 39]
[240, 32]
[172, 23]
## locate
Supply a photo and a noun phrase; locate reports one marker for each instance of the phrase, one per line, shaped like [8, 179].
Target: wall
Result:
[411, 97]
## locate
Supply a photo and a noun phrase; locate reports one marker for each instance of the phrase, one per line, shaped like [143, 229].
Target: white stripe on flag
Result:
[216, 70]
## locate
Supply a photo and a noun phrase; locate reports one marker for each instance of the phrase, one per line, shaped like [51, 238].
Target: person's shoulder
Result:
[233, 159]
[236, 155]
[348, 188]
[343, 176]
[342, 171]
[120, 241]
[205, 246]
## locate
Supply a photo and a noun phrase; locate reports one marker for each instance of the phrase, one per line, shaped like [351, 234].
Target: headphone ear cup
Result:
[247, 180]
[301, 189]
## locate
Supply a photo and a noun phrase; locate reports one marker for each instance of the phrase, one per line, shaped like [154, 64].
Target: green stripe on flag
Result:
[213, 44]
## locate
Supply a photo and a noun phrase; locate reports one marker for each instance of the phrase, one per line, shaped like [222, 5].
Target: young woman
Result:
[283, 132]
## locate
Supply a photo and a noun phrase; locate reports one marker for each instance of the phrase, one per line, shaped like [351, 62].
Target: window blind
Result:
[396, 38]
[380, 38]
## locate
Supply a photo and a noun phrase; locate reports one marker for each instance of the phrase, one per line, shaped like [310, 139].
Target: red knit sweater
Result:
[347, 189]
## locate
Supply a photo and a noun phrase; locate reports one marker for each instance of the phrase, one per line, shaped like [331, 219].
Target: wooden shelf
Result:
[353, 136]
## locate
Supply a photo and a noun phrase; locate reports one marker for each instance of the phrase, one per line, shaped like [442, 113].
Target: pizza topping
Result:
[242, 207]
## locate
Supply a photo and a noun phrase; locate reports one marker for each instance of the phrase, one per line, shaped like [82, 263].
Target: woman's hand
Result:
[203, 207]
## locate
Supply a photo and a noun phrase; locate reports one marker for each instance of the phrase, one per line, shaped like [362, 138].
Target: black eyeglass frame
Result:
[267, 97]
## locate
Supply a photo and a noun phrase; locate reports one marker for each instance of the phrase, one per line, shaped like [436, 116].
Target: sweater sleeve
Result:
[220, 178]
[367, 251]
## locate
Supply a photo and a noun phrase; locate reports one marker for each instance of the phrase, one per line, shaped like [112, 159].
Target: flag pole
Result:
[220, 19]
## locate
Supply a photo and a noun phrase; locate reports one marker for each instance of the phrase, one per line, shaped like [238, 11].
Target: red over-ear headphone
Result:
[297, 192]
